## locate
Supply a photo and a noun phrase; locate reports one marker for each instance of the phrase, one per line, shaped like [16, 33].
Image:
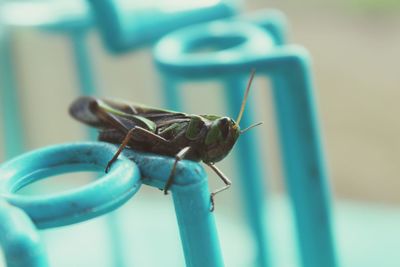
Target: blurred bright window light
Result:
[168, 5]
[34, 13]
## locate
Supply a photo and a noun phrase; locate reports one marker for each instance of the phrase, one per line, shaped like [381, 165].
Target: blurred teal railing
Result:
[241, 46]
[253, 41]
[22, 245]
[10, 109]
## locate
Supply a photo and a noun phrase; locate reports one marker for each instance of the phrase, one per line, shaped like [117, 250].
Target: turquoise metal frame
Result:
[19, 238]
[75, 21]
[123, 28]
[271, 20]
[190, 193]
[178, 46]
[12, 123]
[192, 205]
[243, 46]
[99, 197]
[71, 18]
[129, 26]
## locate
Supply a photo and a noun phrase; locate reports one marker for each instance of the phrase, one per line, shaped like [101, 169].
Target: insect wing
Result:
[83, 109]
[105, 114]
[109, 114]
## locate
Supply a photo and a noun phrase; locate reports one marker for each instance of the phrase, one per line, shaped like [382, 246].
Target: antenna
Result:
[250, 127]
[246, 94]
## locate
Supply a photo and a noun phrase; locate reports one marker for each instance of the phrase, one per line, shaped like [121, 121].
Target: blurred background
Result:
[355, 49]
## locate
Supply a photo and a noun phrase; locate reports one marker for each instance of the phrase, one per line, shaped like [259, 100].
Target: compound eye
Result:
[224, 127]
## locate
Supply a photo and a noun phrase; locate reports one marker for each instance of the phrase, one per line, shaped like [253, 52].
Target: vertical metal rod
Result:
[250, 169]
[82, 61]
[197, 226]
[172, 97]
[306, 177]
[87, 87]
[115, 235]
[13, 131]
[192, 205]
[303, 160]
[84, 69]
[19, 239]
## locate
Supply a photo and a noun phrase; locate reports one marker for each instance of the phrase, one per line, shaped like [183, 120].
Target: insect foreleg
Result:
[137, 130]
[225, 179]
[121, 147]
[181, 155]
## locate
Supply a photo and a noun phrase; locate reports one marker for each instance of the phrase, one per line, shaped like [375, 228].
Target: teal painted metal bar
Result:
[71, 18]
[272, 20]
[125, 26]
[192, 205]
[10, 108]
[75, 205]
[171, 94]
[75, 22]
[87, 85]
[289, 68]
[20, 239]
[306, 176]
[190, 192]
[253, 187]
[250, 167]
[82, 61]
[248, 38]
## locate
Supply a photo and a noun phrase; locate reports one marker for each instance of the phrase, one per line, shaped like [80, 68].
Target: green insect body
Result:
[205, 138]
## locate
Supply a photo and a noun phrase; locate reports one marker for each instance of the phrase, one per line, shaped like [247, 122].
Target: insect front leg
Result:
[225, 179]
[181, 155]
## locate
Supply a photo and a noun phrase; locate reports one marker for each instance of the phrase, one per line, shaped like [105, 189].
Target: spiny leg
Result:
[225, 179]
[181, 154]
[139, 131]
[121, 147]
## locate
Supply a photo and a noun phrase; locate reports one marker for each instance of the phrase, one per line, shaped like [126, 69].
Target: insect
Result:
[206, 138]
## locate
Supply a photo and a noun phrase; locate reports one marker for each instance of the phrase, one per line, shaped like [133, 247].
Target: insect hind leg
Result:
[181, 155]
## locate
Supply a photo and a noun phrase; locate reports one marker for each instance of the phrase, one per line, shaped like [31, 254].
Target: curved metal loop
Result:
[100, 196]
[221, 43]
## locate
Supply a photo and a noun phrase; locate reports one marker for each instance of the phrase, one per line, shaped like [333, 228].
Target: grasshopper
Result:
[206, 138]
